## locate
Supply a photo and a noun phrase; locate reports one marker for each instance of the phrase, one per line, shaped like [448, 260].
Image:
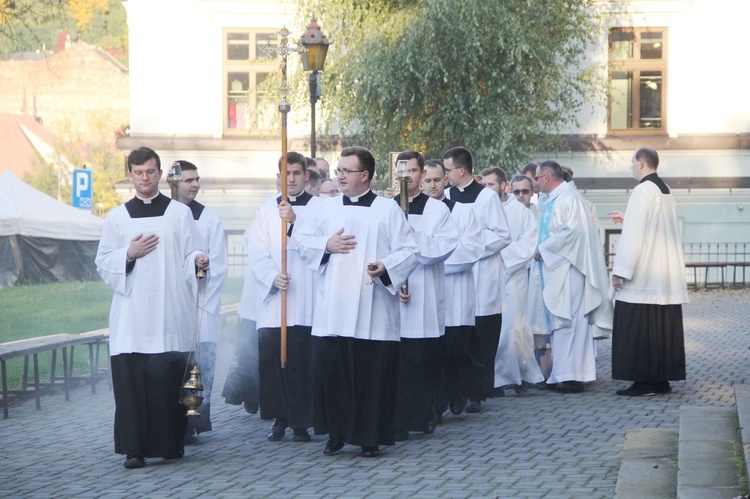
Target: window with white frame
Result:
[247, 75]
[637, 77]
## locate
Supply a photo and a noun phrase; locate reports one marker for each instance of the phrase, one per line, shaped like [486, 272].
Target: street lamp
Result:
[313, 60]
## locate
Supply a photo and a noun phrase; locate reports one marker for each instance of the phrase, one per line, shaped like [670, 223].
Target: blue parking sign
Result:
[82, 188]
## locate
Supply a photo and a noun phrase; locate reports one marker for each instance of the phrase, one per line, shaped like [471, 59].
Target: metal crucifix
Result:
[283, 50]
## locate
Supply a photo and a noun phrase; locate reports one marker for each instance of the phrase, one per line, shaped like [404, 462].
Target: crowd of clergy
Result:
[397, 311]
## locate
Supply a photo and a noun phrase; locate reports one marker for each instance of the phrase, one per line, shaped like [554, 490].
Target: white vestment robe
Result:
[346, 304]
[153, 306]
[264, 260]
[459, 268]
[214, 240]
[515, 361]
[574, 283]
[649, 254]
[436, 235]
[488, 271]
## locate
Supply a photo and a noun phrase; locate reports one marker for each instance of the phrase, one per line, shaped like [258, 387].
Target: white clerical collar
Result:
[355, 199]
[442, 198]
[147, 200]
[412, 198]
[292, 198]
[466, 186]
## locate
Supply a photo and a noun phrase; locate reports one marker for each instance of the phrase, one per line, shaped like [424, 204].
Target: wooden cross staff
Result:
[283, 50]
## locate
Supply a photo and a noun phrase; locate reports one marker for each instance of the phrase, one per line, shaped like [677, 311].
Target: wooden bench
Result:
[707, 266]
[32, 347]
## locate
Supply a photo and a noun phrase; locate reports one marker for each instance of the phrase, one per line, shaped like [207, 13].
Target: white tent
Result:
[42, 239]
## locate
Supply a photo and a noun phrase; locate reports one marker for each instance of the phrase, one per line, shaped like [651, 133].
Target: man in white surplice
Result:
[209, 296]
[364, 250]
[574, 280]
[422, 309]
[488, 271]
[460, 332]
[515, 363]
[148, 254]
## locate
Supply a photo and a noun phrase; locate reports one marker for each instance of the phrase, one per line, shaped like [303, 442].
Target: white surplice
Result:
[515, 361]
[436, 235]
[264, 260]
[459, 268]
[488, 271]
[346, 305]
[212, 233]
[153, 306]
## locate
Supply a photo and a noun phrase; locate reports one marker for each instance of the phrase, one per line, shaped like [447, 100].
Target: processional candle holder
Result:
[403, 177]
[174, 177]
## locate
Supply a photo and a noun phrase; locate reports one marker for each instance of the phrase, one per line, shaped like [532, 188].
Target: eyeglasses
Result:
[331, 193]
[518, 192]
[540, 176]
[340, 171]
[148, 173]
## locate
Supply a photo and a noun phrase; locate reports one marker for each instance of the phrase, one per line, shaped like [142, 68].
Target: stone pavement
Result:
[540, 444]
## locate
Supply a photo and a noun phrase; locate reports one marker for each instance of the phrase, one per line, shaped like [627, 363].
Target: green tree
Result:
[500, 77]
[97, 151]
[30, 24]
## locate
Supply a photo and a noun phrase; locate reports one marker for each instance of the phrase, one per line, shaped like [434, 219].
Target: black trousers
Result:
[285, 393]
[420, 370]
[354, 389]
[488, 331]
[460, 366]
[150, 421]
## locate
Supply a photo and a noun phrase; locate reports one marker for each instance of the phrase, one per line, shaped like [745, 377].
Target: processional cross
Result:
[283, 50]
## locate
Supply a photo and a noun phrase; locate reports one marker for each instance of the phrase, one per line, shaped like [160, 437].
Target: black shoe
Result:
[370, 452]
[522, 388]
[641, 389]
[457, 406]
[134, 462]
[301, 436]
[473, 407]
[250, 409]
[543, 385]
[402, 435]
[498, 391]
[277, 431]
[333, 446]
[429, 428]
[569, 387]
[662, 387]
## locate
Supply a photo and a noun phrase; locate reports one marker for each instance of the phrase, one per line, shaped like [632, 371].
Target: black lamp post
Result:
[313, 60]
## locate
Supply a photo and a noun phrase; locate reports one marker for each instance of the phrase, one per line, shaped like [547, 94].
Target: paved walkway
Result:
[541, 444]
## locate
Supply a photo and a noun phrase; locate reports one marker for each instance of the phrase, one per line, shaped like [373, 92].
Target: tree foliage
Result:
[30, 24]
[499, 77]
[96, 150]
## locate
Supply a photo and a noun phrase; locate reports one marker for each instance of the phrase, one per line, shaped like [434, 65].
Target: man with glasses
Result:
[364, 250]
[328, 188]
[149, 252]
[515, 364]
[212, 232]
[523, 190]
[284, 392]
[488, 271]
[574, 280]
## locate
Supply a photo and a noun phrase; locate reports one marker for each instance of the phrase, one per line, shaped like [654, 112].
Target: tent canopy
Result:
[27, 212]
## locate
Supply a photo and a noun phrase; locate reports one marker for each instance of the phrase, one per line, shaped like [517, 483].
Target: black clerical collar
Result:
[144, 208]
[468, 193]
[300, 199]
[656, 179]
[416, 204]
[365, 199]
[449, 203]
[196, 208]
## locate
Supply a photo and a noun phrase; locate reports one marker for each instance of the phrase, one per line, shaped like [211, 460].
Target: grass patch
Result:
[71, 307]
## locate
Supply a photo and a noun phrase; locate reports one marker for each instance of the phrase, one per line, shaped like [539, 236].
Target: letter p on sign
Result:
[82, 189]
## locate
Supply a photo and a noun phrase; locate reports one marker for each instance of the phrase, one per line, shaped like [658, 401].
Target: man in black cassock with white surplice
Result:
[356, 326]
[148, 254]
[284, 391]
[422, 309]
